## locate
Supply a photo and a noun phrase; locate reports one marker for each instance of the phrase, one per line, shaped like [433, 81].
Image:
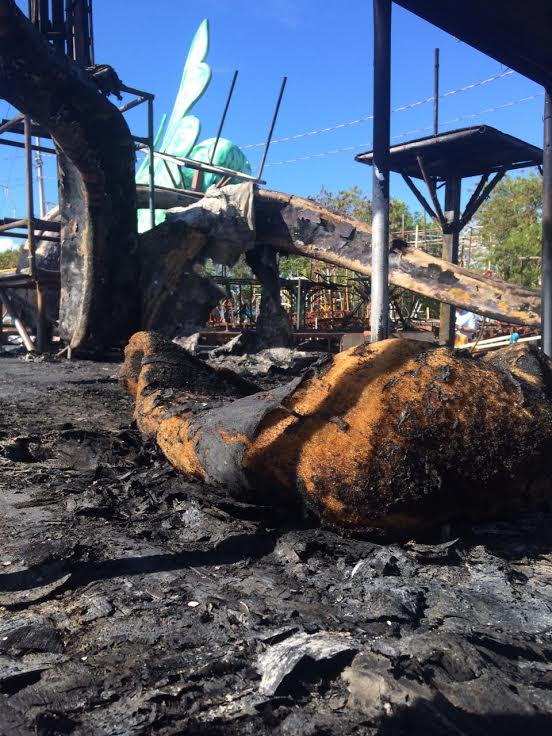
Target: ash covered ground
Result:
[134, 602]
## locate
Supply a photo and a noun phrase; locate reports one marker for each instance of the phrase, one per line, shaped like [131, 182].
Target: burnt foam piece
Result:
[393, 435]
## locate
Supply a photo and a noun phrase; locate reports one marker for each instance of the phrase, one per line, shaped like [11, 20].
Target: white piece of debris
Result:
[281, 659]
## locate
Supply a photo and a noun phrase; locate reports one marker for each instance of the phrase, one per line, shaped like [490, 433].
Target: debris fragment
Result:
[280, 660]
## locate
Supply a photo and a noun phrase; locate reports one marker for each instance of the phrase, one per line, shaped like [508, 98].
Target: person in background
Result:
[467, 325]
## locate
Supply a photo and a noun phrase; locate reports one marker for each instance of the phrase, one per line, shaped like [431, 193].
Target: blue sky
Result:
[325, 49]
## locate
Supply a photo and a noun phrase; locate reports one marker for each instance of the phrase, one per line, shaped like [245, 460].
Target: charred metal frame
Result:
[547, 229]
[442, 161]
[142, 97]
[451, 221]
[21, 124]
[521, 44]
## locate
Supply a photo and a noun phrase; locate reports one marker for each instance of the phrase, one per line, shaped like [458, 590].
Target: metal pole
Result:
[436, 93]
[451, 241]
[30, 198]
[299, 316]
[223, 118]
[547, 228]
[271, 131]
[41, 323]
[151, 168]
[40, 181]
[17, 323]
[91, 32]
[379, 317]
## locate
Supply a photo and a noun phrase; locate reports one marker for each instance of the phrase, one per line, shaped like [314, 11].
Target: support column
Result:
[151, 163]
[299, 312]
[379, 319]
[41, 321]
[451, 241]
[546, 314]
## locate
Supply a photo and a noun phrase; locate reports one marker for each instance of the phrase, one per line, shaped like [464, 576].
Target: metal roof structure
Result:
[464, 152]
[516, 32]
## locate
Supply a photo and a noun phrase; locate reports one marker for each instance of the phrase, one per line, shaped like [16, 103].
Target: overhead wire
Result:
[408, 133]
[401, 108]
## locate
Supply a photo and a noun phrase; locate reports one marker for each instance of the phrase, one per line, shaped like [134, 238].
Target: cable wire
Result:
[408, 133]
[401, 108]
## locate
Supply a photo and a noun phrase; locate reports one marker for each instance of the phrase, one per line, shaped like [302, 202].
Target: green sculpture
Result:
[180, 135]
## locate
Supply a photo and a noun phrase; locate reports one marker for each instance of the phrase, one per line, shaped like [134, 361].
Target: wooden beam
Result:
[469, 209]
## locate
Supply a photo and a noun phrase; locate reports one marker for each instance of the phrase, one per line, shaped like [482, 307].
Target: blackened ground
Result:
[133, 602]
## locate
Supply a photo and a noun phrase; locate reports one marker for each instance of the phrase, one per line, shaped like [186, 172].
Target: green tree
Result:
[353, 202]
[350, 202]
[400, 217]
[9, 258]
[510, 224]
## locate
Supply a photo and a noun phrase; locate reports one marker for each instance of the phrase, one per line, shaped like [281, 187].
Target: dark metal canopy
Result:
[516, 32]
[464, 152]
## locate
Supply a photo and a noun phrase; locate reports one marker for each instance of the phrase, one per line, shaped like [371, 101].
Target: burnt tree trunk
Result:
[99, 292]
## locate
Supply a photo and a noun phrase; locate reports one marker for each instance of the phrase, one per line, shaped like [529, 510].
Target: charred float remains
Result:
[359, 441]
[154, 576]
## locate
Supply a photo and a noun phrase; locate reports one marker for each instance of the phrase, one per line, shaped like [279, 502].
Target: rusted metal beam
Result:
[432, 191]
[224, 113]
[12, 223]
[17, 323]
[476, 201]
[17, 144]
[30, 196]
[41, 321]
[421, 199]
[272, 126]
